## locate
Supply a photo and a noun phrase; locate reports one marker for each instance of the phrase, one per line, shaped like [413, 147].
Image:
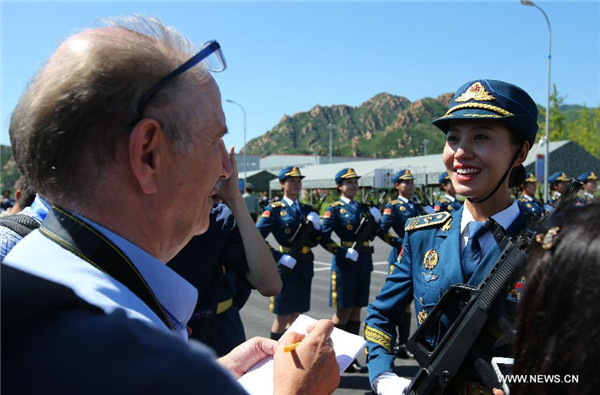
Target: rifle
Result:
[304, 233]
[440, 363]
[367, 229]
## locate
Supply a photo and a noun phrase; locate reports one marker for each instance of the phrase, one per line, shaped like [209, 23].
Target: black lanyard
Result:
[81, 239]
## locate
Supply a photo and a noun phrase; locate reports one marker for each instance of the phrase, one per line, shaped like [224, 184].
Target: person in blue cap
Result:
[295, 262]
[558, 182]
[532, 208]
[590, 184]
[489, 127]
[448, 202]
[351, 266]
[395, 215]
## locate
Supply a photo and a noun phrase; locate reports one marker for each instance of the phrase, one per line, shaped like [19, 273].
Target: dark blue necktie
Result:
[471, 255]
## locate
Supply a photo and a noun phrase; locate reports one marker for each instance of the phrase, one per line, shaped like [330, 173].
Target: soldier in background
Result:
[589, 180]
[448, 202]
[532, 208]
[294, 261]
[558, 182]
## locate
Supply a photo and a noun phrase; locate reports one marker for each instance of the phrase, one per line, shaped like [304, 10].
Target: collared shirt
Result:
[291, 203]
[405, 200]
[504, 218]
[38, 255]
[450, 197]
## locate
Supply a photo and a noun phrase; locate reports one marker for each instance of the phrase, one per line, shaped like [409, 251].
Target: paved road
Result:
[257, 319]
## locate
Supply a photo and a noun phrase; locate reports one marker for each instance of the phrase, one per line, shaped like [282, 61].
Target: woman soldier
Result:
[295, 259]
[448, 202]
[352, 266]
[489, 129]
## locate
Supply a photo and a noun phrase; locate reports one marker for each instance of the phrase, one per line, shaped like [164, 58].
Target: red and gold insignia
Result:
[431, 259]
[517, 291]
[266, 214]
[421, 317]
[349, 226]
[283, 213]
[402, 208]
[387, 211]
[342, 211]
[400, 255]
[327, 214]
[436, 208]
[475, 92]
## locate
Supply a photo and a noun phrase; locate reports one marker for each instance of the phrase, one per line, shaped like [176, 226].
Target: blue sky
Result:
[286, 57]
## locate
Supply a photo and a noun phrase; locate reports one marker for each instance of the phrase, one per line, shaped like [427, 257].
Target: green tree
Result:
[585, 131]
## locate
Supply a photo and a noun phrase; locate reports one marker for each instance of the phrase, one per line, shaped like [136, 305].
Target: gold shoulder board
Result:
[334, 204]
[277, 204]
[428, 220]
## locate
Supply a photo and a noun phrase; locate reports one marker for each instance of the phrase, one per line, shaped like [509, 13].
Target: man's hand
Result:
[312, 367]
[246, 355]
[314, 218]
[375, 213]
[352, 254]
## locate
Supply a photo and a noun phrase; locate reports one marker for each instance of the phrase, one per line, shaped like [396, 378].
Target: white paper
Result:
[259, 379]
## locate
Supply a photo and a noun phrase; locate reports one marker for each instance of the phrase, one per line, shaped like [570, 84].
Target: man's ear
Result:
[144, 154]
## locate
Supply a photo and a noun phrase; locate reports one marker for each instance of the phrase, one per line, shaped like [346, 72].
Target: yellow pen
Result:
[290, 347]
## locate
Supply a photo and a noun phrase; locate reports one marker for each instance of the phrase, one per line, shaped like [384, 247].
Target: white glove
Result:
[352, 254]
[314, 218]
[388, 383]
[375, 213]
[287, 260]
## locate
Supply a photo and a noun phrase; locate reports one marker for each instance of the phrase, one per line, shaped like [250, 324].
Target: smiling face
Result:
[349, 188]
[476, 155]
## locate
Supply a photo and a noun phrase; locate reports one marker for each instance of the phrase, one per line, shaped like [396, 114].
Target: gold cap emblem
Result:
[475, 92]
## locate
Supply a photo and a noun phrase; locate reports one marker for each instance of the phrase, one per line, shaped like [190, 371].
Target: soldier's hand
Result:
[287, 261]
[312, 367]
[314, 218]
[352, 254]
[229, 189]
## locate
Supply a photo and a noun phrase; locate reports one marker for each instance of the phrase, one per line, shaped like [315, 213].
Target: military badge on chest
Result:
[430, 261]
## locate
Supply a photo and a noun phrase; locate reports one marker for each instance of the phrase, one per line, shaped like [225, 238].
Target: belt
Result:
[351, 243]
[224, 305]
[287, 250]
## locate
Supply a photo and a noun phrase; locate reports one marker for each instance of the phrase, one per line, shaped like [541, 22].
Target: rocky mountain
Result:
[384, 126]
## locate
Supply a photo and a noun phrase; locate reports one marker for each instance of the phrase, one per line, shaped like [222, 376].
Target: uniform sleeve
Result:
[265, 226]
[384, 312]
[327, 227]
[233, 255]
[388, 220]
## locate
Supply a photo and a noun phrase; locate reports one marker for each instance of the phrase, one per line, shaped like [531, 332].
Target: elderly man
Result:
[87, 303]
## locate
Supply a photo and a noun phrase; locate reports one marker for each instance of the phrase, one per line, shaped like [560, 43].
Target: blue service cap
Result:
[558, 176]
[402, 175]
[345, 174]
[530, 177]
[491, 99]
[290, 171]
[589, 176]
[444, 177]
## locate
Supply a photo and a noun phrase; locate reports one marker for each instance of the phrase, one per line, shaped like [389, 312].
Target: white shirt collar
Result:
[527, 197]
[449, 197]
[346, 200]
[289, 201]
[405, 200]
[504, 218]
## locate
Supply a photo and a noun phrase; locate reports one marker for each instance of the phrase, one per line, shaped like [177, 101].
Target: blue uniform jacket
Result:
[531, 208]
[410, 281]
[203, 262]
[283, 220]
[443, 204]
[395, 215]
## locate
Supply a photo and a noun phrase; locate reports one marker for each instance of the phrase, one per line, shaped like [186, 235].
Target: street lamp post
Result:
[547, 137]
[425, 142]
[330, 126]
[244, 155]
